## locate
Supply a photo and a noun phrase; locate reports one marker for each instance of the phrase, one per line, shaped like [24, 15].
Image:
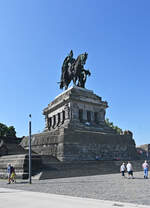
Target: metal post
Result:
[30, 156]
[147, 154]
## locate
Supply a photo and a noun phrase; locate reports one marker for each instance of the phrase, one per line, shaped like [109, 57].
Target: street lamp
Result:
[30, 156]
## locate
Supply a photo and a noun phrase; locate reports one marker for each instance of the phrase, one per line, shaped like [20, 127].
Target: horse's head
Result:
[83, 58]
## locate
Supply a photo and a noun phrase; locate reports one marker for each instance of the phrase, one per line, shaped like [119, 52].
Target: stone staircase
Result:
[83, 168]
[10, 146]
[46, 167]
[20, 162]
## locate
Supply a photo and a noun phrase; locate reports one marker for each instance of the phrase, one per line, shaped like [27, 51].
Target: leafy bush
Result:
[116, 128]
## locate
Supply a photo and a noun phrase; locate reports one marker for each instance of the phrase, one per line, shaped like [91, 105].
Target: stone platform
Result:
[76, 130]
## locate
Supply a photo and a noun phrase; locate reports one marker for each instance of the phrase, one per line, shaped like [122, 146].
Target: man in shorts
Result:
[130, 170]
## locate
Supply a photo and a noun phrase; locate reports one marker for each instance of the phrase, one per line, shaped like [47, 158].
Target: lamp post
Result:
[30, 156]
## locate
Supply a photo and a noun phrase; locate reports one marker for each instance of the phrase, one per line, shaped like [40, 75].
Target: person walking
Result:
[130, 170]
[123, 169]
[9, 171]
[13, 175]
[145, 167]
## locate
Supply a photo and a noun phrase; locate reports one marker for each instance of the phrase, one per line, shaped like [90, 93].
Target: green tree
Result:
[11, 131]
[7, 131]
[116, 128]
[3, 129]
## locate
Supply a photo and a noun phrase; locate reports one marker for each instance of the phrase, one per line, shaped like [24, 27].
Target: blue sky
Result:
[36, 36]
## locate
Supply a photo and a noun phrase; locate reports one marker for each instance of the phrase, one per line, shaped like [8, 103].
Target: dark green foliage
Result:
[3, 129]
[7, 131]
[116, 128]
[11, 131]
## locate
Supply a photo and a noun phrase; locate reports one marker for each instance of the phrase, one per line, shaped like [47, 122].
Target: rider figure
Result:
[69, 60]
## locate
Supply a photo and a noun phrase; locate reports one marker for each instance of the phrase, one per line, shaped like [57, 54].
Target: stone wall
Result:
[73, 144]
[89, 145]
[47, 143]
[10, 145]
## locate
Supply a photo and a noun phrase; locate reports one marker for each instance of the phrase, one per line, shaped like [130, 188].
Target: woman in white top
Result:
[122, 169]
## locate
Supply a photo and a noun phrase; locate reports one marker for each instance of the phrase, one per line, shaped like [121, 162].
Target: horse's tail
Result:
[61, 85]
[89, 73]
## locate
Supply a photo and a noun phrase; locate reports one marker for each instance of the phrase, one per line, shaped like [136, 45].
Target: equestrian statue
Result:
[73, 70]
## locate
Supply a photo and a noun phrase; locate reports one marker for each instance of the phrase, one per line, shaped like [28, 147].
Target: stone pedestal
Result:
[76, 107]
[76, 130]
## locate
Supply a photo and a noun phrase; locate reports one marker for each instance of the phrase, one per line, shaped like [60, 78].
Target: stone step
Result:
[84, 168]
[11, 145]
[46, 167]
[21, 164]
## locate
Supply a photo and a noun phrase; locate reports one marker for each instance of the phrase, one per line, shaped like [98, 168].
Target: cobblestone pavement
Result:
[104, 187]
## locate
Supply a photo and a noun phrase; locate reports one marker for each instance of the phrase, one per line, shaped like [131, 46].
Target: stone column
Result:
[67, 111]
[84, 115]
[102, 115]
[49, 123]
[46, 121]
[92, 116]
[56, 118]
[53, 121]
[62, 116]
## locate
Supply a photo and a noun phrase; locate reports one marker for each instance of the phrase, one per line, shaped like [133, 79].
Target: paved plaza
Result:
[23, 199]
[111, 187]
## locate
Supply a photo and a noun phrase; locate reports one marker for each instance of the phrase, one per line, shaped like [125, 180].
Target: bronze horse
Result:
[74, 72]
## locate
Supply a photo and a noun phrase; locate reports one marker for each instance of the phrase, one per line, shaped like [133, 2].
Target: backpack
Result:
[12, 169]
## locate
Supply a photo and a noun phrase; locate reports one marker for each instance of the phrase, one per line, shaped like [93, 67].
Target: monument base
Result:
[76, 130]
